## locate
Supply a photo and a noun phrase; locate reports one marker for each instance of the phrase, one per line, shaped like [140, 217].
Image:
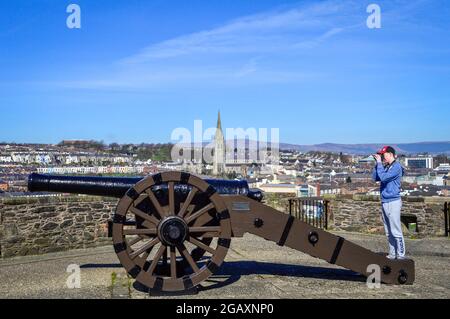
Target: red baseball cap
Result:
[386, 149]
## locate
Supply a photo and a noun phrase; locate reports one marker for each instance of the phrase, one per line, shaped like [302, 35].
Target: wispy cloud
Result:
[267, 47]
[261, 33]
[249, 68]
[309, 44]
[246, 50]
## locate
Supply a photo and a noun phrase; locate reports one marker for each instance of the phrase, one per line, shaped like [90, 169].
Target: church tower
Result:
[219, 150]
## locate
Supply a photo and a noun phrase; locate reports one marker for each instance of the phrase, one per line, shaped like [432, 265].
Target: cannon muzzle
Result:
[118, 186]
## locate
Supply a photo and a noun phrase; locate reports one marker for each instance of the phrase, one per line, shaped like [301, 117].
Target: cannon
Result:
[171, 231]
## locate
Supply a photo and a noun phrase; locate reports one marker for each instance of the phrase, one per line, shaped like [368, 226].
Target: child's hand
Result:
[377, 158]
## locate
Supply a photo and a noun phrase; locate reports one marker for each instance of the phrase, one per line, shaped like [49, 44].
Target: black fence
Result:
[447, 218]
[311, 210]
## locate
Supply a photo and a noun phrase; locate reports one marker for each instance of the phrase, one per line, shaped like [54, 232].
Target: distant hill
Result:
[432, 148]
[361, 149]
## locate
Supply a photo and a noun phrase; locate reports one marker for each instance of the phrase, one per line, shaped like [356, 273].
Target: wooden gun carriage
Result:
[172, 231]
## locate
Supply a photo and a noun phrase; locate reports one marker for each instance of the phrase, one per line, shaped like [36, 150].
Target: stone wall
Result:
[278, 200]
[40, 225]
[363, 214]
[48, 224]
[360, 213]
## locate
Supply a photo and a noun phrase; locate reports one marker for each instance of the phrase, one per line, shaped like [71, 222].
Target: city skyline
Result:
[134, 72]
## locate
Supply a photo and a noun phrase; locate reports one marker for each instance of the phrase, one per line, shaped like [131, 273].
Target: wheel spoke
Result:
[205, 229]
[202, 211]
[145, 256]
[144, 248]
[155, 260]
[210, 235]
[143, 215]
[173, 263]
[201, 245]
[189, 211]
[148, 224]
[203, 221]
[188, 201]
[140, 232]
[140, 199]
[155, 203]
[172, 199]
[135, 241]
[188, 258]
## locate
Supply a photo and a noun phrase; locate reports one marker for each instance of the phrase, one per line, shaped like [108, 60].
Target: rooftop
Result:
[279, 185]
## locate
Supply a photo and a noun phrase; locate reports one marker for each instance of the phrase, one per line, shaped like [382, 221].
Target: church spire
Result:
[219, 150]
[219, 122]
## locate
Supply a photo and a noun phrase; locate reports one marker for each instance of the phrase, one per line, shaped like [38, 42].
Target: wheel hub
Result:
[172, 231]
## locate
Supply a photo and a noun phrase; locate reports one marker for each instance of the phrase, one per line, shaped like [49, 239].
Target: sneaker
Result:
[390, 257]
[402, 258]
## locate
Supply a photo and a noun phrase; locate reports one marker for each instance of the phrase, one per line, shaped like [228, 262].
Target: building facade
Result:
[419, 162]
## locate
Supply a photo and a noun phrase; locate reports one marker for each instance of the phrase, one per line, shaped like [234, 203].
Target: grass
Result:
[125, 282]
[113, 279]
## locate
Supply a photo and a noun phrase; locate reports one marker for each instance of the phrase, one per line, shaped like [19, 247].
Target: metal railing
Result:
[311, 210]
[447, 218]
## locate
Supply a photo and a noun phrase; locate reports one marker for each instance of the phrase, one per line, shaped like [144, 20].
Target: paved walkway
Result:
[254, 268]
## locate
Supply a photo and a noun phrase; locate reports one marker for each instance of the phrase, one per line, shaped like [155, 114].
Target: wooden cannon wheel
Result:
[170, 231]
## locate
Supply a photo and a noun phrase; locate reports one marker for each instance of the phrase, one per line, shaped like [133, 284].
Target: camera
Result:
[382, 156]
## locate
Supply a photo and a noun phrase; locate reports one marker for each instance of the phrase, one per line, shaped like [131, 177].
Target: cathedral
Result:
[219, 150]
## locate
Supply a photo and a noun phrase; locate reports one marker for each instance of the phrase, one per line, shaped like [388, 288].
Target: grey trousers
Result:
[391, 217]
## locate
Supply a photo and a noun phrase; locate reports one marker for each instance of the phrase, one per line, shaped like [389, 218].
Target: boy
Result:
[389, 172]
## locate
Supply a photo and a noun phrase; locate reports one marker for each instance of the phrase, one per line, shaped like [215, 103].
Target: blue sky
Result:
[137, 70]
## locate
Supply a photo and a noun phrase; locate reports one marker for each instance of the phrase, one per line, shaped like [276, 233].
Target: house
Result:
[279, 188]
[319, 190]
[4, 186]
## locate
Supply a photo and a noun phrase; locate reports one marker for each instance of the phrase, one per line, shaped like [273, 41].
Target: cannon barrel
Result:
[118, 186]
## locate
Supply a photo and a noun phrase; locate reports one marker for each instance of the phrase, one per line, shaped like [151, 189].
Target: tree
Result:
[114, 147]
